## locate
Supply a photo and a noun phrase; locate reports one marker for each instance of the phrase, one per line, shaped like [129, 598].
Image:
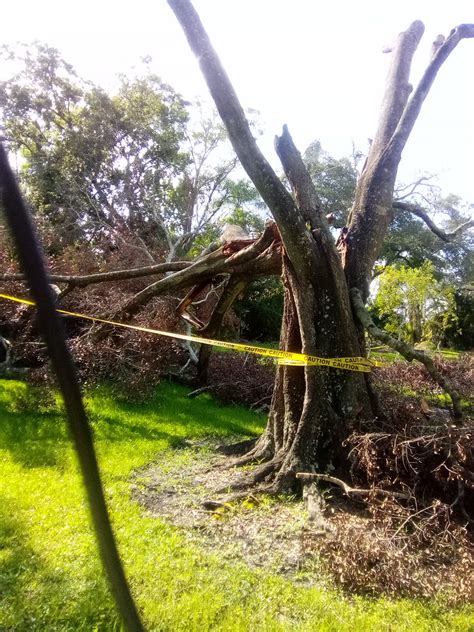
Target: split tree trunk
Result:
[314, 409]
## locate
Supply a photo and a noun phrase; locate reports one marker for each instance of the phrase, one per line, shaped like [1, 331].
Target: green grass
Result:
[386, 354]
[50, 575]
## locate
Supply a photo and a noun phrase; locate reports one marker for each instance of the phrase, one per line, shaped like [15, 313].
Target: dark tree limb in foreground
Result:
[314, 409]
[406, 350]
[32, 262]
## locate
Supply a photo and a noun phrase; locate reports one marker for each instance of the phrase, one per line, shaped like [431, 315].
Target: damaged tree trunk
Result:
[314, 409]
[233, 288]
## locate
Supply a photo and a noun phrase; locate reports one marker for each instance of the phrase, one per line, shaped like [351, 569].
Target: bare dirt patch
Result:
[365, 548]
[263, 532]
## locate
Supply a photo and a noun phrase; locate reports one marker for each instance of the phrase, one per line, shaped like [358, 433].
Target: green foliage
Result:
[408, 299]
[409, 242]
[242, 207]
[130, 168]
[457, 326]
[261, 310]
[50, 574]
[92, 164]
[335, 181]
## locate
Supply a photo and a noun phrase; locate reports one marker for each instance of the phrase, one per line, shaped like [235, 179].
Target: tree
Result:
[457, 326]
[126, 171]
[314, 409]
[408, 299]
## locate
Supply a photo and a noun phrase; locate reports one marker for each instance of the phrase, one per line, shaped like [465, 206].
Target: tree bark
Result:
[234, 287]
[314, 409]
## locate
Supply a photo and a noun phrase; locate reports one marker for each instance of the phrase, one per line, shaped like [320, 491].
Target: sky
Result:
[317, 67]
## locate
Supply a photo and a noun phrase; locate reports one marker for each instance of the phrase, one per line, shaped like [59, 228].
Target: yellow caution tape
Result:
[283, 357]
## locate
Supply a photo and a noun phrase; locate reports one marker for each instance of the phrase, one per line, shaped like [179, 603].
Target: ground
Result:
[50, 574]
[347, 542]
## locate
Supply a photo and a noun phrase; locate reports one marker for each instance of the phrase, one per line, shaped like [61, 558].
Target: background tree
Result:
[128, 171]
[334, 180]
[408, 300]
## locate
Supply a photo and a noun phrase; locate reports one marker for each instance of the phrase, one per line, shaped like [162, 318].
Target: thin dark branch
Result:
[32, 262]
[408, 352]
[439, 232]
[413, 188]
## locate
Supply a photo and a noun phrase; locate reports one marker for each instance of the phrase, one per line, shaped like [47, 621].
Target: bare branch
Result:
[372, 209]
[101, 277]
[395, 147]
[354, 491]
[439, 232]
[411, 188]
[408, 352]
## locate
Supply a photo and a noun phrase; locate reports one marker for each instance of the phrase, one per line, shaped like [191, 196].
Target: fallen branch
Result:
[101, 277]
[408, 352]
[262, 257]
[355, 491]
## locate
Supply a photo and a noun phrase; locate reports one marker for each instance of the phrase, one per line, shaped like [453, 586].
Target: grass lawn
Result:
[386, 354]
[50, 575]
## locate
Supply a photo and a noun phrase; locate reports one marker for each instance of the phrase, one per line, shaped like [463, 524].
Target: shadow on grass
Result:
[34, 429]
[170, 407]
[33, 596]
[33, 439]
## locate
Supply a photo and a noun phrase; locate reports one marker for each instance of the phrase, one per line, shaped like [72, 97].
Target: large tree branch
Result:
[259, 258]
[102, 277]
[372, 209]
[277, 198]
[405, 125]
[408, 352]
[439, 232]
[397, 90]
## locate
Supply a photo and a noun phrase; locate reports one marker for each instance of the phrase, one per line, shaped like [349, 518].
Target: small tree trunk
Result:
[232, 290]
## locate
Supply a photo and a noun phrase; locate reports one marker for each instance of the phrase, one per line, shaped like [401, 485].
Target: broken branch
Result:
[355, 491]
